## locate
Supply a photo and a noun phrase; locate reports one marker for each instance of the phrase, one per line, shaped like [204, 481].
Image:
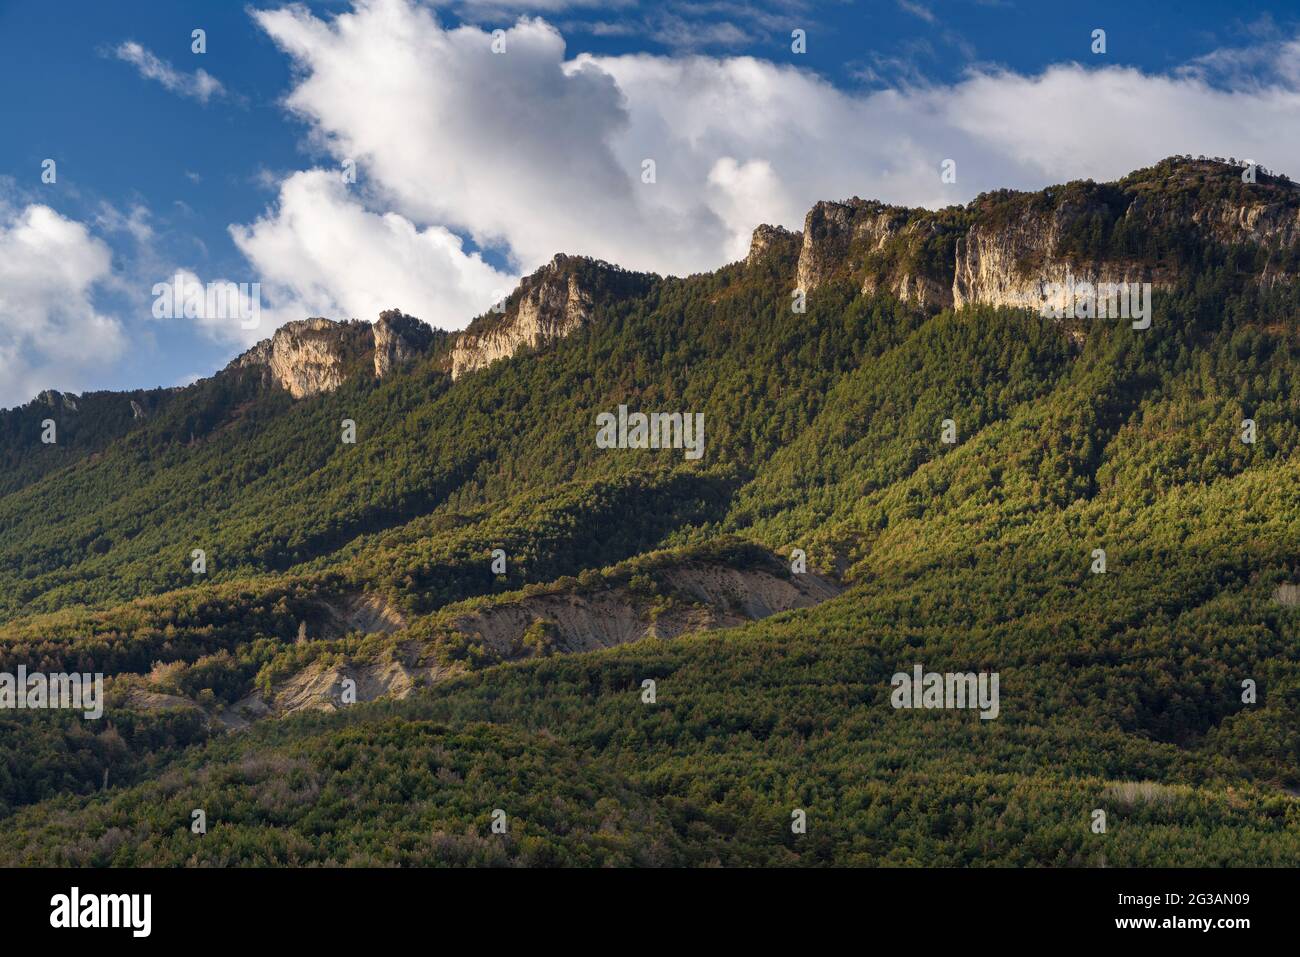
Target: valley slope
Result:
[524, 687]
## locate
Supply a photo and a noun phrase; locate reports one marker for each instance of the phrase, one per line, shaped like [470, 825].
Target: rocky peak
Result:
[827, 232]
[58, 401]
[876, 242]
[305, 357]
[399, 338]
[548, 305]
[768, 238]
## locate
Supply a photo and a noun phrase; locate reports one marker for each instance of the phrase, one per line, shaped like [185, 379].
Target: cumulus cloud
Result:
[227, 311]
[318, 252]
[533, 151]
[517, 149]
[201, 85]
[1001, 128]
[50, 331]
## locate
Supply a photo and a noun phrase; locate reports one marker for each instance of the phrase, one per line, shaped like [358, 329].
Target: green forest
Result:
[1164, 691]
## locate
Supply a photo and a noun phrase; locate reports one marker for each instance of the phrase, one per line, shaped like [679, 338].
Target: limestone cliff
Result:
[883, 247]
[548, 305]
[308, 356]
[1005, 248]
[829, 231]
[58, 401]
[311, 356]
[771, 239]
[399, 339]
[1008, 248]
[1015, 263]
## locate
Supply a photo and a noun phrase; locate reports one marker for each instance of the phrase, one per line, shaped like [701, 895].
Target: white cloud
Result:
[538, 150]
[1270, 61]
[320, 253]
[742, 188]
[201, 85]
[51, 334]
[134, 222]
[917, 10]
[507, 7]
[226, 311]
[1071, 122]
[514, 149]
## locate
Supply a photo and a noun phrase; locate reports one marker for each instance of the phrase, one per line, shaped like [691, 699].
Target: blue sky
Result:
[473, 167]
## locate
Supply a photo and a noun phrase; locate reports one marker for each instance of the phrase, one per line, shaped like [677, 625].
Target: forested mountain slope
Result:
[881, 392]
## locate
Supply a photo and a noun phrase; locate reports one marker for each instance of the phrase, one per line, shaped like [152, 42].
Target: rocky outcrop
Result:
[395, 672]
[399, 339]
[320, 687]
[710, 596]
[1017, 264]
[1003, 249]
[827, 233]
[305, 357]
[878, 243]
[1013, 261]
[548, 305]
[364, 613]
[58, 401]
[1011, 249]
[771, 239]
[311, 356]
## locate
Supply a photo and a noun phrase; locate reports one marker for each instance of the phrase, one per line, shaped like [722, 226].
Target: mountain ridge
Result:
[1005, 250]
[893, 248]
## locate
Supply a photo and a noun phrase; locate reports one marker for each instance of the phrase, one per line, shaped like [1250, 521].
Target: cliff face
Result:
[311, 356]
[399, 339]
[58, 401]
[305, 357]
[1009, 248]
[548, 305]
[771, 240]
[944, 259]
[830, 230]
[1015, 263]
[884, 247]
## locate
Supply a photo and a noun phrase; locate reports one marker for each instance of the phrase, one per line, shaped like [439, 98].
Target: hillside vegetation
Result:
[1120, 691]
